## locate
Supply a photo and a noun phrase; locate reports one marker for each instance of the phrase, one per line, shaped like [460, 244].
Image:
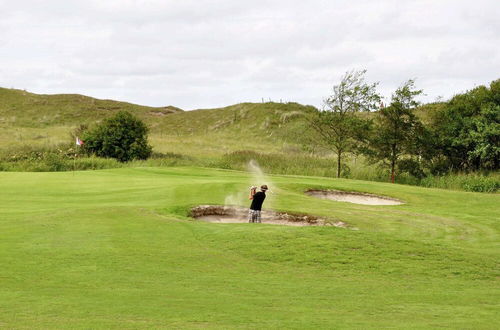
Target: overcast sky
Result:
[211, 53]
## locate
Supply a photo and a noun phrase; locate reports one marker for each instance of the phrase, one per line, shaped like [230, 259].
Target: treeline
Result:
[461, 135]
[465, 134]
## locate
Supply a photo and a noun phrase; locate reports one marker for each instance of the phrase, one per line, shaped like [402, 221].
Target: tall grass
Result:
[292, 164]
[478, 182]
[64, 157]
[301, 164]
[67, 158]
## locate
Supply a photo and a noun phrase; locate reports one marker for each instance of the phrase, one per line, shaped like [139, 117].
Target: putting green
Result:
[116, 249]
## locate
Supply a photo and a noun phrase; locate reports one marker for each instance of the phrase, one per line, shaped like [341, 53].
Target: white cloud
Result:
[216, 52]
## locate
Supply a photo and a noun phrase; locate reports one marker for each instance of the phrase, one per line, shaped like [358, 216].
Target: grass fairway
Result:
[115, 249]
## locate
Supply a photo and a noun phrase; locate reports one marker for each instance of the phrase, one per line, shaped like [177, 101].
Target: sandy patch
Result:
[236, 214]
[353, 197]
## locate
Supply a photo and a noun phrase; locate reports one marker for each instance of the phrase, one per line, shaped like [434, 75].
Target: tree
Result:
[122, 136]
[396, 128]
[339, 125]
[467, 130]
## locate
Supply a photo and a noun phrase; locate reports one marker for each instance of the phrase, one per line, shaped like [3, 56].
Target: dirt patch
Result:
[163, 111]
[236, 214]
[353, 197]
[157, 113]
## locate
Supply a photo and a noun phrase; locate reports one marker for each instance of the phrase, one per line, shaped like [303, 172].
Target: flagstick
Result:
[76, 152]
[78, 144]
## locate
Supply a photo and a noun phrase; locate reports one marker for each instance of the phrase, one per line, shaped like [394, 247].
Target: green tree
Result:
[122, 136]
[467, 130]
[338, 125]
[396, 129]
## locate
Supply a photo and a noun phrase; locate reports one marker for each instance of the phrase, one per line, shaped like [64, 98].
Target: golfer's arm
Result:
[252, 192]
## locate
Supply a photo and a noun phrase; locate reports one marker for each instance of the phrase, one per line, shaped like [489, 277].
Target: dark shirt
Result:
[257, 201]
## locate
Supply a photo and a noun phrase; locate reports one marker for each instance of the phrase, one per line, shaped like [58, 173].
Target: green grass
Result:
[224, 138]
[478, 182]
[115, 249]
[46, 120]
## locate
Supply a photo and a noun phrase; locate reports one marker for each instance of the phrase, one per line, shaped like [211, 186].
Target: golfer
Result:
[257, 201]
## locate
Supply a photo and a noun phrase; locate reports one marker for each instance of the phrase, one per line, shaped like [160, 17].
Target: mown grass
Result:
[114, 249]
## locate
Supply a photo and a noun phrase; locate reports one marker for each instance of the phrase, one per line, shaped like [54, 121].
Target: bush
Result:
[123, 137]
[476, 182]
[482, 184]
[412, 167]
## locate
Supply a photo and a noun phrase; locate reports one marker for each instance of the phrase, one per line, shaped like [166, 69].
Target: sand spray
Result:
[258, 179]
[233, 199]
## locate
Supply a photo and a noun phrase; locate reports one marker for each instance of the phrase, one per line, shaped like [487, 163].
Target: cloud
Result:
[197, 54]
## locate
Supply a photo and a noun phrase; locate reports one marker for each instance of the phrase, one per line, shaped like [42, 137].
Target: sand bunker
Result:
[236, 214]
[353, 197]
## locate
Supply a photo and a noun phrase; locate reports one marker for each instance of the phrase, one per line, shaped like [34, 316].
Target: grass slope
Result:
[27, 118]
[35, 136]
[263, 127]
[31, 119]
[25, 109]
[114, 249]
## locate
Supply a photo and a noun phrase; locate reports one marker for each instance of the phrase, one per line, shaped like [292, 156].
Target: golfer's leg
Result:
[257, 217]
[254, 216]
[250, 216]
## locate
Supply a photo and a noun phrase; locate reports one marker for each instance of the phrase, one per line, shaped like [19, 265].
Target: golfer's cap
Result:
[263, 187]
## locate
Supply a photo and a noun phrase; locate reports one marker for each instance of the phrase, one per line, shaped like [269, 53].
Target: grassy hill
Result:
[263, 127]
[24, 109]
[31, 119]
[27, 118]
[115, 249]
[36, 135]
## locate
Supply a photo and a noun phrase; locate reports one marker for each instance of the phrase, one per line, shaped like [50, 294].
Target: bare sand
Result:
[236, 214]
[353, 197]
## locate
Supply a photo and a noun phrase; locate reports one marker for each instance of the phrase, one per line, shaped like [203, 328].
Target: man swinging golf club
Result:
[257, 201]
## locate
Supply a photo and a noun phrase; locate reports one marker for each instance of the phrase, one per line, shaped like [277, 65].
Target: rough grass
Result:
[24, 109]
[114, 249]
[65, 157]
[228, 138]
[27, 118]
[296, 163]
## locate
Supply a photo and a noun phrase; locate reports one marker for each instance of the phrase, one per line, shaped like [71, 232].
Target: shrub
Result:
[482, 184]
[476, 182]
[123, 137]
[411, 167]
